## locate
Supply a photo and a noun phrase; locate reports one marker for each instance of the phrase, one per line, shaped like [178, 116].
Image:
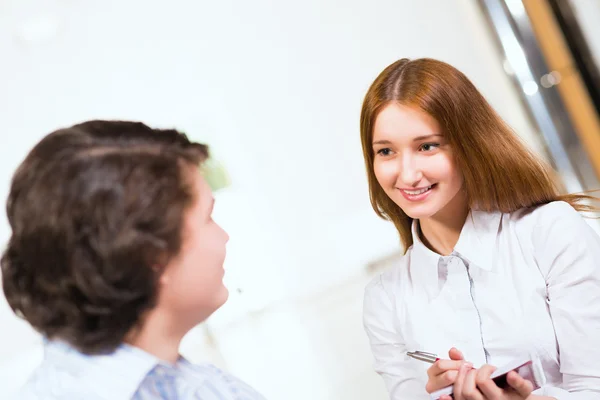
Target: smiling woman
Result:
[497, 263]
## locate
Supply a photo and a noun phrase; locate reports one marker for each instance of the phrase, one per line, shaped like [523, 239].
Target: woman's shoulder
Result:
[546, 215]
[387, 281]
[554, 222]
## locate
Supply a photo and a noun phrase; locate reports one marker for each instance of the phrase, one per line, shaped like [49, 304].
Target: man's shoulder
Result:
[209, 376]
[66, 373]
[53, 382]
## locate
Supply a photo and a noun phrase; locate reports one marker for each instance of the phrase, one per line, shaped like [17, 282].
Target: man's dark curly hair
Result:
[93, 208]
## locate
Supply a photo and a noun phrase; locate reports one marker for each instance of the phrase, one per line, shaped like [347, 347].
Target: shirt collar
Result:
[477, 240]
[476, 245]
[115, 375]
[424, 262]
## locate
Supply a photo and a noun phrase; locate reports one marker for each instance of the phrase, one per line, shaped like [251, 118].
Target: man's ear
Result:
[163, 270]
[164, 274]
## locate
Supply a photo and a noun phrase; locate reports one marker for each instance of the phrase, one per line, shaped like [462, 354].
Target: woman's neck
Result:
[440, 232]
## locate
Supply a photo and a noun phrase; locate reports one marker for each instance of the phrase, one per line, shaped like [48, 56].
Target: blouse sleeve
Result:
[567, 251]
[387, 345]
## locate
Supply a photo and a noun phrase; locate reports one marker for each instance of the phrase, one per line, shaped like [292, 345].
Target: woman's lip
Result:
[420, 196]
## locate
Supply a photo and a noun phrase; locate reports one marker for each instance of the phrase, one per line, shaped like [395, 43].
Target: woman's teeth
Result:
[416, 192]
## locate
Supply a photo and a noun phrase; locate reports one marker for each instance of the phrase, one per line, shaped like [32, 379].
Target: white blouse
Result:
[519, 283]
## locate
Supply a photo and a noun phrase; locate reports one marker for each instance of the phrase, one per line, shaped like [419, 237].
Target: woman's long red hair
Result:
[500, 172]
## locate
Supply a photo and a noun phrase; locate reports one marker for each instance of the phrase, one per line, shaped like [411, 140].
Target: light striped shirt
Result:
[128, 373]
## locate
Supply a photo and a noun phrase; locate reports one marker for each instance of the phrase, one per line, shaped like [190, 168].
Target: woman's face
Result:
[413, 161]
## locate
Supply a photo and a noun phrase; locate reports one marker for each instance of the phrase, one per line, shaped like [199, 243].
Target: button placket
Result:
[457, 282]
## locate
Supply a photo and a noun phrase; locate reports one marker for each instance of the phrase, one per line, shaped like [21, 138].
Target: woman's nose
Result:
[411, 172]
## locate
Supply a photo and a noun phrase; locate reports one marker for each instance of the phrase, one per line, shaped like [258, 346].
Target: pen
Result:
[423, 356]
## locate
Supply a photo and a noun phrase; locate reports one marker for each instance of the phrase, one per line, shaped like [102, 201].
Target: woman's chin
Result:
[420, 212]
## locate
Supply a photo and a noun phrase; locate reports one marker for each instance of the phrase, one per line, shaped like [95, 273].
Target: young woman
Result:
[498, 264]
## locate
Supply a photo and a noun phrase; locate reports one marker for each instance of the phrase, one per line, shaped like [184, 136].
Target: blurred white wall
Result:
[274, 86]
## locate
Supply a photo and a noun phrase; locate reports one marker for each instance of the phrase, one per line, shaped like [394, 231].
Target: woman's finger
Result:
[469, 389]
[441, 381]
[455, 354]
[441, 366]
[521, 385]
[487, 386]
[460, 381]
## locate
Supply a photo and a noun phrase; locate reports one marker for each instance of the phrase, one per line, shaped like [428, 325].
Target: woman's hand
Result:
[444, 372]
[475, 384]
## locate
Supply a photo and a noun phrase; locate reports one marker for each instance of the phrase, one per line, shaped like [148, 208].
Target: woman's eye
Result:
[384, 152]
[429, 146]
